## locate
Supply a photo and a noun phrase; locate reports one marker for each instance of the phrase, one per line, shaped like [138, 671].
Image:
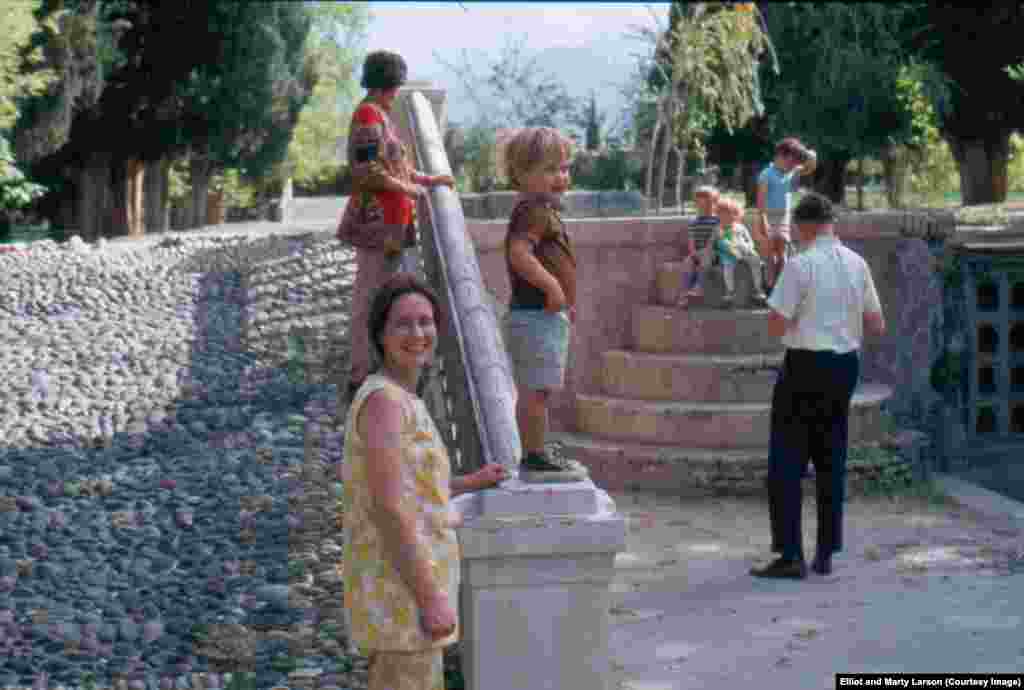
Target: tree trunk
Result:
[95, 200]
[200, 171]
[664, 149]
[750, 171]
[155, 194]
[895, 170]
[135, 175]
[651, 156]
[680, 171]
[860, 183]
[983, 164]
[830, 178]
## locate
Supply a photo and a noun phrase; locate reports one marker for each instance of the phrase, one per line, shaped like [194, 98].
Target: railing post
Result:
[524, 546]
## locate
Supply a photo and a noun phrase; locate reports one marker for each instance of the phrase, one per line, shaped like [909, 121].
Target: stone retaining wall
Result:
[618, 261]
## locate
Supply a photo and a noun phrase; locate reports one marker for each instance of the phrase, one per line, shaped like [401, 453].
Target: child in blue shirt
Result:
[775, 187]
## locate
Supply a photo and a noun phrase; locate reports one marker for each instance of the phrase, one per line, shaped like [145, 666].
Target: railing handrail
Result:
[481, 355]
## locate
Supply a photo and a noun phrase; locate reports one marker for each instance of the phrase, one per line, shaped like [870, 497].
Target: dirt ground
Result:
[668, 535]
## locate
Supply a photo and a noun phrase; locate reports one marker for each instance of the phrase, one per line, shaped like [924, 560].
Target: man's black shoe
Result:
[782, 569]
[822, 565]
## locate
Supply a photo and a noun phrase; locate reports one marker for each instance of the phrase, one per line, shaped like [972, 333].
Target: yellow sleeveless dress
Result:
[381, 611]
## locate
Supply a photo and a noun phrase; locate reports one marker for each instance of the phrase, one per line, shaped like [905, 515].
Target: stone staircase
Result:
[688, 408]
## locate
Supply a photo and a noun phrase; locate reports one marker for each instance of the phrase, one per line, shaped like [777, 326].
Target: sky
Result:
[583, 45]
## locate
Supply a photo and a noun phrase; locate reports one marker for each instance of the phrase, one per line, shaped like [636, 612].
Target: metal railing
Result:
[473, 396]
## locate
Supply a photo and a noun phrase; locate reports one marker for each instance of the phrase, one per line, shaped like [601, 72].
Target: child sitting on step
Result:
[701, 232]
[733, 244]
[542, 275]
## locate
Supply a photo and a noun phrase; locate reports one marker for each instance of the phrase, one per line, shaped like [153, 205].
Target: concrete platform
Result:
[709, 424]
[712, 331]
[711, 378]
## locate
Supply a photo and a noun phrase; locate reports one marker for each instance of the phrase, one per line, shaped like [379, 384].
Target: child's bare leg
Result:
[532, 418]
[686, 288]
[728, 274]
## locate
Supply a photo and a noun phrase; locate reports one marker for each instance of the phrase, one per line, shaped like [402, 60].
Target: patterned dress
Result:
[376, 154]
[381, 610]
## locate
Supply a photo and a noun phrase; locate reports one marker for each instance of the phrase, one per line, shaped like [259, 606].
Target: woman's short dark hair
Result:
[383, 69]
[384, 298]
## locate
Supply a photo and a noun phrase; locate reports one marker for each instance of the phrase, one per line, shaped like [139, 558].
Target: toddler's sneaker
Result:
[538, 468]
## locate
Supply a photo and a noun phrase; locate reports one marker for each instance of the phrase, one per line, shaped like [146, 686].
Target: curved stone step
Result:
[622, 465]
[709, 424]
[709, 378]
[669, 283]
[712, 331]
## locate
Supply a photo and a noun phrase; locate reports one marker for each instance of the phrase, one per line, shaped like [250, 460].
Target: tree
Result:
[712, 54]
[240, 109]
[987, 104]
[23, 74]
[513, 90]
[231, 99]
[591, 122]
[333, 45]
[837, 84]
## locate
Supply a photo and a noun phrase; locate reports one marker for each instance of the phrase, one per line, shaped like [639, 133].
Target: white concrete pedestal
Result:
[537, 562]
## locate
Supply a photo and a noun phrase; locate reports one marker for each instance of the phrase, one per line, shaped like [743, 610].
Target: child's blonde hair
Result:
[532, 147]
[732, 205]
[706, 190]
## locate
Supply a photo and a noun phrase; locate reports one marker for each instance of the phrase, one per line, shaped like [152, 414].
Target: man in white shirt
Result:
[823, 303]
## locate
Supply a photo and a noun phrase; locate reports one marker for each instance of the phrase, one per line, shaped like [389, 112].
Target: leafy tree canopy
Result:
[334, 47]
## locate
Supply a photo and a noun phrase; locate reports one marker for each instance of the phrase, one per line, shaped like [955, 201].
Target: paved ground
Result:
[921, 587]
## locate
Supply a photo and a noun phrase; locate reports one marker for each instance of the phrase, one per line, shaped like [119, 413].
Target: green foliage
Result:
[708, 66]
[479, 166]
[591, 122]
[983, 214]
[611, 169]
[945, 375]
[244, 680]
[323, 123]
[1015, 170]
[22, 74]
[16, 191]
[837, 87]
[238, 193]
[1016, 72]
[877, 471]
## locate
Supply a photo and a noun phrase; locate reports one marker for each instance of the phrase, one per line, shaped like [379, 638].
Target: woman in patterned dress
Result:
[400, 565]
[385, 183]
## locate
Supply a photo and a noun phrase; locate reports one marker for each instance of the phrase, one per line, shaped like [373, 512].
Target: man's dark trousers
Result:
[809, 421]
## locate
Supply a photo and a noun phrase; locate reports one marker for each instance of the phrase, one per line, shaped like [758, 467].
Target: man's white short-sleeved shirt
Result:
[827, 288]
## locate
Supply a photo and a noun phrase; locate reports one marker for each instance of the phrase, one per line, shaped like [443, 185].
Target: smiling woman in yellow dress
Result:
[401, 558]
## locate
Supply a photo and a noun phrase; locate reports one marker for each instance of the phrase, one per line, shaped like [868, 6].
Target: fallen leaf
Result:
[806, 634]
